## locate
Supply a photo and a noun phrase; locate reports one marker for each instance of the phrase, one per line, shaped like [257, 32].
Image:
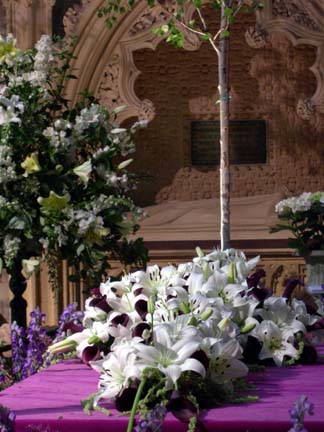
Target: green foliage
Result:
[62, 195]
[176, 27]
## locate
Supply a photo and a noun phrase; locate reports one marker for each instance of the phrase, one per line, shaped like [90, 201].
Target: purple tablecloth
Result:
[52, 398]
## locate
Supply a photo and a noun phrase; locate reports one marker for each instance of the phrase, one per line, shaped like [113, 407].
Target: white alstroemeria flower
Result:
[117, 370]
[275, 344]
[277, 310]
[170, 358]
[224, 361]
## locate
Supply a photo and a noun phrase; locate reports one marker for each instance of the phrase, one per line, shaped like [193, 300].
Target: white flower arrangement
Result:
[303, 215]
[191, 323]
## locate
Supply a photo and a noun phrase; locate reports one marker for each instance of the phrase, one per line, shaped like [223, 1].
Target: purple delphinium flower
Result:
[36, 344]
[69, 316]
[70, 321]
[28, 346]
[298, 413]
[18, 349]
[153, 422]
[7, 419]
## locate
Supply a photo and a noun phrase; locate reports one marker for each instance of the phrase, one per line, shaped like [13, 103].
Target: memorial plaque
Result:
[248, 142]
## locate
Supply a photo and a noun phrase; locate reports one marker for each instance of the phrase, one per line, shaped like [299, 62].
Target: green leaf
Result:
[197, 3]
[225, 33]
[228, 11]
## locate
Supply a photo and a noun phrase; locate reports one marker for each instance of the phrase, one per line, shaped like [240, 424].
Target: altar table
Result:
[52, 397]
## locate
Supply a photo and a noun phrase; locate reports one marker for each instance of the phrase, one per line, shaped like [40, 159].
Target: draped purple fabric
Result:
[52, 398]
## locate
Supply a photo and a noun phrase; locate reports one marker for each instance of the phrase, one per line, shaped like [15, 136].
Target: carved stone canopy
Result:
[106, 65]
[303, 23]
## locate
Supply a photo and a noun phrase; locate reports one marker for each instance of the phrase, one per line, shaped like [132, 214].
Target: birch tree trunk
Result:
[224, 171]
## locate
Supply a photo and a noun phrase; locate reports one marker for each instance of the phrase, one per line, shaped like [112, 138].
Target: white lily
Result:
[225, 363]
[117, 370]
[171, 358]
[277, 310]
[302, 315]
[274, 346]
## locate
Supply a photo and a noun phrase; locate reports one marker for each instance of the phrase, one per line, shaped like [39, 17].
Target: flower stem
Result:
[135, 404]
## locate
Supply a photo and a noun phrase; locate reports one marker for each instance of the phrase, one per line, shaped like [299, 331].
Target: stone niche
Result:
[265, 84]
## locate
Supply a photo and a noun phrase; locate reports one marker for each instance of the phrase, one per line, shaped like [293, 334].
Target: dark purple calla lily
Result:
[95, 291]
[261, 293]
[124, 401]
[90, 353]
[141, 308]
[138, 291]
[252, 350]
[138, 330]
[183, 409]
[291, 284]
[121, 319]
[253, 283]
[309, 355]
[202, 357]
[72, 327]
[319, 325]
[101, 303]
[254, 280]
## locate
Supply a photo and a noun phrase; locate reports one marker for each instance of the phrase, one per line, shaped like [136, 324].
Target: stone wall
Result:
[265, 84]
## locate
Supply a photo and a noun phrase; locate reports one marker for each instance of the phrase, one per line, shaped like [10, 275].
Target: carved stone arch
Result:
[105, 63]
[302, 22]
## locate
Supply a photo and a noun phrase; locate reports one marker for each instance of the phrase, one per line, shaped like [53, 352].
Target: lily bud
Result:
[62, 346]
[124, 164]
[199, 252]
[206, 314]
[193, 321]
[184, 308]
[150, 306]
[223, 323]
[231, 277]
[94, 339]
[247, 328]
